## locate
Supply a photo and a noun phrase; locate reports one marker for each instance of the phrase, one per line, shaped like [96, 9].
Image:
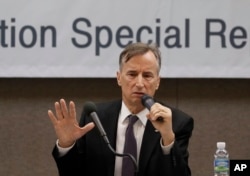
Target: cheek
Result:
[127, 84]
[153, 86]
[157, 83]
[123, 82]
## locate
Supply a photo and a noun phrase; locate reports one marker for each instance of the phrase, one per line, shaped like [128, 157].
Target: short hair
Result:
[134, 49]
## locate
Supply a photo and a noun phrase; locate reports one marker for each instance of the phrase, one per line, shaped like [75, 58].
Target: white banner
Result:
[83, 38]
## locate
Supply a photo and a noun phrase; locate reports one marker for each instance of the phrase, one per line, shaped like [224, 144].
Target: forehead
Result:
[145, 61]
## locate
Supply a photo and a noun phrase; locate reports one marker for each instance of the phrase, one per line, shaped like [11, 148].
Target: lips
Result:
[138, 93]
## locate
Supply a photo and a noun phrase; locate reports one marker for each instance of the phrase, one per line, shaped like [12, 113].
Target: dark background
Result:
[220, 108]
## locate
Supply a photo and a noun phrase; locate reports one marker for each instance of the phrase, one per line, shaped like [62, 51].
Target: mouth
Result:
[138, 94]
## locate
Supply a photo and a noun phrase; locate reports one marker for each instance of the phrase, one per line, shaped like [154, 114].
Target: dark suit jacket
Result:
[91, 155]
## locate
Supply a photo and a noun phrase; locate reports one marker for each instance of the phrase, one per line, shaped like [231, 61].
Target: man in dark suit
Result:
[162, 145]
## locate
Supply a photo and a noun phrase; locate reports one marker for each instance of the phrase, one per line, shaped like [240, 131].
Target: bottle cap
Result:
[221, 145]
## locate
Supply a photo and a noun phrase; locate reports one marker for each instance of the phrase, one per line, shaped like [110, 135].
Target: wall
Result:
[220, 108]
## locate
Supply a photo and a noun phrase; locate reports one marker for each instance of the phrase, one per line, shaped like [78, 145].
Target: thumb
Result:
[87, 128]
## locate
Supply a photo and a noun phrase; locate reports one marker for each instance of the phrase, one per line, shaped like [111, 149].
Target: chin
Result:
[136, 101]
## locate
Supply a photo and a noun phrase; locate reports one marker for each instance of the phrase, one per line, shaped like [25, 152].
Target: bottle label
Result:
[221, 165]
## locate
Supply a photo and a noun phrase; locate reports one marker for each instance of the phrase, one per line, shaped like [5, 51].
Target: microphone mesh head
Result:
[144, 99]
[89, 107]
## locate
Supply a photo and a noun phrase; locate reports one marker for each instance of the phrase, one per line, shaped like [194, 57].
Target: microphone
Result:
[90, 109]
[148, 102]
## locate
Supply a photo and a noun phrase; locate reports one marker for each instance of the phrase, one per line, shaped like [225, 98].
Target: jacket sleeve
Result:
[176, 163]
[72, 163]
[68, 165]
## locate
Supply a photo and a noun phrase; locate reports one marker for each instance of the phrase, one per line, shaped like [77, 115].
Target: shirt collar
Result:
[141, 115]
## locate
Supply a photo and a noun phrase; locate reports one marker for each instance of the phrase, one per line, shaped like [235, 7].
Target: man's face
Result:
[138, 76]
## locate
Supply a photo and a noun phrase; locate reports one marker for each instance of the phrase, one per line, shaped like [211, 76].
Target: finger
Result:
[87, 127]
[155, 113]
[64, 108]
[155, 108]
[52, 117]
[72, 109]
[58, 111]
[156, 116]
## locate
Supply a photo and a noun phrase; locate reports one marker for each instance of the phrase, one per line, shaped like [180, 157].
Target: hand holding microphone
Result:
[148, 102]
[163, 115]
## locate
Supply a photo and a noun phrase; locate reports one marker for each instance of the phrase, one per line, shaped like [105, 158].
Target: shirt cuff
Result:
[63, 151]
[166, 149]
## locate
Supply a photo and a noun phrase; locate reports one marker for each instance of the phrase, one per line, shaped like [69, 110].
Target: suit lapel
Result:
[109, 118]
[149, 142]
[109, 121]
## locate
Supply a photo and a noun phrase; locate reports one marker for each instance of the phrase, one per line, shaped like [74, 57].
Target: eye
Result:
[148, 75]
[132, 74]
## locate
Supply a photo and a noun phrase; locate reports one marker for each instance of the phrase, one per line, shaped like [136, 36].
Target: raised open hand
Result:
[65, 123]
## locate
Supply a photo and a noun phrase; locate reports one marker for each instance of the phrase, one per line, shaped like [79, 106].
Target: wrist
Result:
[65, 144]
[168, 139]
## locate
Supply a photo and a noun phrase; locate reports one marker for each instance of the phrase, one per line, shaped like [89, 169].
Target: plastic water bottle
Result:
[221, 160]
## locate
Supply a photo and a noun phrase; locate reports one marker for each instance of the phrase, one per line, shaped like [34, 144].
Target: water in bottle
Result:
[221, 160]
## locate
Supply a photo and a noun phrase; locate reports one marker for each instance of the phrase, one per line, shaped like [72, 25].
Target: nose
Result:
[139, 81]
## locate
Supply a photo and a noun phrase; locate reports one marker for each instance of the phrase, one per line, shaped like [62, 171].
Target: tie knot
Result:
[132, 119]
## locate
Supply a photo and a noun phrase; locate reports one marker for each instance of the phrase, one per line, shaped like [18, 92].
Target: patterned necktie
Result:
[130, 147]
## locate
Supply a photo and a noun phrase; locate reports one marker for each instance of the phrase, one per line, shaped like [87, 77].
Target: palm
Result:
[66, 125]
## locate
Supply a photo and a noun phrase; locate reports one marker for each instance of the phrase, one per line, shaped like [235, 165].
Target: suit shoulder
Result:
[180, 113]
[109, 105]
[181, 120]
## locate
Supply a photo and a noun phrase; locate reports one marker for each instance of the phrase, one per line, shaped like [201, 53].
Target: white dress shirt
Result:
[139, 128]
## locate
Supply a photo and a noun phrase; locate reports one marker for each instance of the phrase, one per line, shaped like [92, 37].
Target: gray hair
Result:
[134, 49]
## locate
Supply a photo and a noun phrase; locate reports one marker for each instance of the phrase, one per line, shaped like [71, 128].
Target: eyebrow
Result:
[135, 71]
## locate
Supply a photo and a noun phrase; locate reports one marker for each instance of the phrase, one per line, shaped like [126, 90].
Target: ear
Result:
[158, 83]
[118, 77]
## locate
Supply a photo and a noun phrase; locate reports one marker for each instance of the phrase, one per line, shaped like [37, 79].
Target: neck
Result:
[135, 109]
